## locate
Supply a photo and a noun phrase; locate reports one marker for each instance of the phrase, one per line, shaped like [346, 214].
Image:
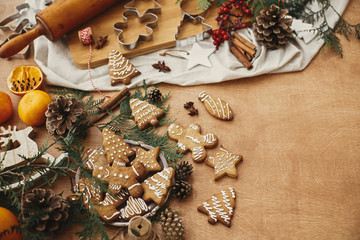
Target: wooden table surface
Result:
[299, 134]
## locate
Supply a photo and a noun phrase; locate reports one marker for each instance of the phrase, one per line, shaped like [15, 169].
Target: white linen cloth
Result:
[54, 59]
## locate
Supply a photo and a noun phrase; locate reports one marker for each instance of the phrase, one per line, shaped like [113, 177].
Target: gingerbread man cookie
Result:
[115, 148]
[224, 163]
[191, 139]
[134, 207]
[120, 177]
[144, 113]
[217, 108]
[157, 187]
[149, 159]
[220, 207]
[120, 69]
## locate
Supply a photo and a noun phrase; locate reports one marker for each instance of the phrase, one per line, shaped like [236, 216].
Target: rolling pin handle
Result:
[16, 44]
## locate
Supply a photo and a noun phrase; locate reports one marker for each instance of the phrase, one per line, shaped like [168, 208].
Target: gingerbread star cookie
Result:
[216, 107]
[224, 163]
[115, 148]
[191, 139]
[120, 69]
[144, 113]
[148, 159]
[220, 207]
[157, 187]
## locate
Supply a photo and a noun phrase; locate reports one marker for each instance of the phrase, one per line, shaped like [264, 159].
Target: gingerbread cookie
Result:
[220, 207]
[120, 69]
[191, 139]
[96, 157]
[144, 113]
[216, 107]
[224, 163]
[148, 159]
[120, 177]
[115, 148]
[134, 207]
[107, 208]
[157, 187]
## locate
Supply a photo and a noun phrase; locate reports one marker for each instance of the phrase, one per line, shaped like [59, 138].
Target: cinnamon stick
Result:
[241, 45]
[114, 99]
[241, 58]
[244, 41]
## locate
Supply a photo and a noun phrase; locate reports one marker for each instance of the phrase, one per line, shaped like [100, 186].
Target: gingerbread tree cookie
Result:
[120, 69]
[157, 187]
[144, 113]
[96, 157]
[216, 107]
[191, 139]
[148, 159]
[134, 207]
[224, 163]
[220, 207]
[115, 148]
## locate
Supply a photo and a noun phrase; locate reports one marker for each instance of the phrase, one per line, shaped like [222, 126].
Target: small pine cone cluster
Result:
[154, 94]
[272, 27]
[172, 225]
[61, 115]
[50, 210]
[182, 188]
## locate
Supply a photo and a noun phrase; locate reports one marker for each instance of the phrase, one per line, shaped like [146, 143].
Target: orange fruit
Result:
[32, 107]
[6, 107]
[8, 220]
[23, 79]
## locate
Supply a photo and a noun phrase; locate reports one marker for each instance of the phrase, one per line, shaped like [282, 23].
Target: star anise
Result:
[101, 42]
[190, 106]
[161, 66]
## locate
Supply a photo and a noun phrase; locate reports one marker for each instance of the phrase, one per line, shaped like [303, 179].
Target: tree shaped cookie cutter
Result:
[195, 19]
[150, 18]
[155, 10]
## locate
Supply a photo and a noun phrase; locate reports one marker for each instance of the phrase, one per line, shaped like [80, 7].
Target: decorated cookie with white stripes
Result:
[216, 107]
[191, 139]
[224, 163]
[149, 159]
[220, 207]
[134, 207]
[144, 113]
[156, 187]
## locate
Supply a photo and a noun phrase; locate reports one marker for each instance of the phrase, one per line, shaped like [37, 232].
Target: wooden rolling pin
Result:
[56, 20]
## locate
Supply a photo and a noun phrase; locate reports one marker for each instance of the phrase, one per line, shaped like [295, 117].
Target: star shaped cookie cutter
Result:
[155, 10]
[196, 19]
[150, 18]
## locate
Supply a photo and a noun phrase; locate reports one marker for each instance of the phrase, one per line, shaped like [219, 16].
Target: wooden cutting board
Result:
[163, 36]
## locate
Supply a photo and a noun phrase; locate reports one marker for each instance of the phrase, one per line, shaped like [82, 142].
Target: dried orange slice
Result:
[23, 79]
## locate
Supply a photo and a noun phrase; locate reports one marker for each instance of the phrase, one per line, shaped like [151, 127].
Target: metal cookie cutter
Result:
[152, 22]
[155, 10]
[21, 25]
[195, 20]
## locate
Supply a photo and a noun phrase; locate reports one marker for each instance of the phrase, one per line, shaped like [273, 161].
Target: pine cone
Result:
[62, 114]
[154, 94]
[272, 27]
[172, 225]
[51, 209]
[183, 170]
[181, 189]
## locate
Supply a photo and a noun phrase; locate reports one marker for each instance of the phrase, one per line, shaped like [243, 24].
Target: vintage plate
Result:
[153, 207]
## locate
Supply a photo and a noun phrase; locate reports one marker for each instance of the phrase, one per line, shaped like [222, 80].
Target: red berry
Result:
[232, 1]
[226, 37]
[237, 15]
[215, 43]
[237, 7]
[241, 2]
[218, 39]
[223, 32]
[220, 11]
[225, 18]
[247, 11]
[243, 8]
[226, 10]
[243, 25]
[214, 37]
[224, 4]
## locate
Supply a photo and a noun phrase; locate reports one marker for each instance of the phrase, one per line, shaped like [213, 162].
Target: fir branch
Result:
[332, 41]
[203, 5]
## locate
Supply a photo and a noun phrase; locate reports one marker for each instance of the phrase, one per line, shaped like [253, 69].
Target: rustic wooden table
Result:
[299, 134]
